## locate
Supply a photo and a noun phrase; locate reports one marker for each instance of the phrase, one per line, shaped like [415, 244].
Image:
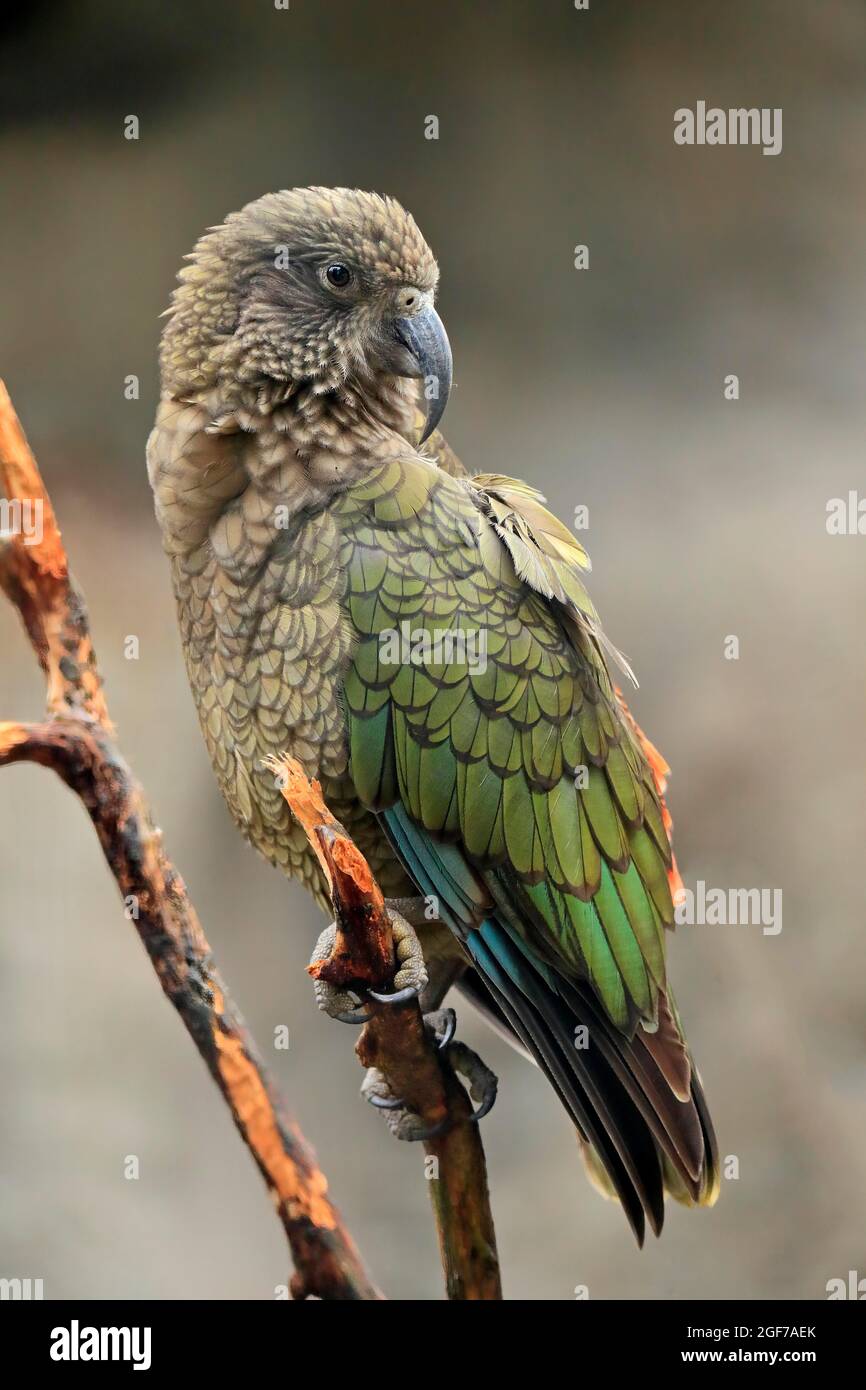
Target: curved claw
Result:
[391, 1103]
[482, 1081]
[485, 1107]
[430, 1132]
[402, 996]
[450, 1029]
[354, 1016]
[386, 1103]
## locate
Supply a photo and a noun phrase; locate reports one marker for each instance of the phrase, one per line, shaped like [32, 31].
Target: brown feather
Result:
[668, 1051]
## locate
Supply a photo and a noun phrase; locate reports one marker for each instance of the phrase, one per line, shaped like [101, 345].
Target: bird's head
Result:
[317, 287]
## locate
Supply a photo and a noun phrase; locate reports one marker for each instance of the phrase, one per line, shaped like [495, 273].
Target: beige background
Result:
[603, 388]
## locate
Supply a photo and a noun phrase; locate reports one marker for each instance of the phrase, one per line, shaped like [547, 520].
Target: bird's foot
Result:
[483, 1083]
[341, 1004]
[402, 1121]
[410, 977]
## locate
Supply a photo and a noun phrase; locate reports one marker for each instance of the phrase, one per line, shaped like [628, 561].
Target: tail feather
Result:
[635, 1175]
[668, 1049]
[635, 1097]
[673, 1122]
[644, 1139]
[712, 1173]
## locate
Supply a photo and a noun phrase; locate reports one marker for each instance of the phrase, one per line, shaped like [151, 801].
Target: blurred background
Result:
[604, 387]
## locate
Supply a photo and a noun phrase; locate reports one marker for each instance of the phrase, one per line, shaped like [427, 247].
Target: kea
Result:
[421, 639]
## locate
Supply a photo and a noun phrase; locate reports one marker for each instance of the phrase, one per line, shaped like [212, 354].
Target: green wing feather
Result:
[525, 759]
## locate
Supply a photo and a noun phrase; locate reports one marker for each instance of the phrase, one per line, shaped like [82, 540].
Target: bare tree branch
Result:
[77, 742]
[395, 1041]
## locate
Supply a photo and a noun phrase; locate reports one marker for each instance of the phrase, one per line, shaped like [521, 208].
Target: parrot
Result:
[421, 639]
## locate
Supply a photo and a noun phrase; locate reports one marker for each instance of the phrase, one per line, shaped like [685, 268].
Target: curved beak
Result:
[424, 337]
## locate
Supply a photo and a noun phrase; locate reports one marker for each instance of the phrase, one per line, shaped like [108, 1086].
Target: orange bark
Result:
[396, 1042]
[77, 742]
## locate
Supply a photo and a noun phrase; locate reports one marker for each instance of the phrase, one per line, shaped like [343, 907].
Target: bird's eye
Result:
[338, 275]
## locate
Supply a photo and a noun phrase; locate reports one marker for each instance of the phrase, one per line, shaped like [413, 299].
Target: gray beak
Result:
[424, 337]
